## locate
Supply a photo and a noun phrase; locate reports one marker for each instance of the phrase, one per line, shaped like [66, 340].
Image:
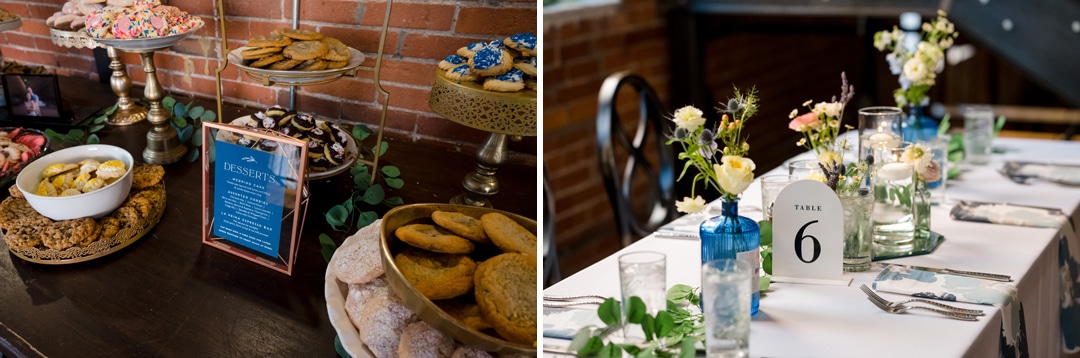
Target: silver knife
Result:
[948, 271]
[674, 234]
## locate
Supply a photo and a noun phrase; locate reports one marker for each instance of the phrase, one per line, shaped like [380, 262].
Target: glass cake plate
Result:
[295, 78]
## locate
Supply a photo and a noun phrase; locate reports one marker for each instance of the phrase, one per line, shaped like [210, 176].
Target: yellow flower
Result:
[817, 176]
[735, 173]
[689, 118]
[829, 157]
[690, 205]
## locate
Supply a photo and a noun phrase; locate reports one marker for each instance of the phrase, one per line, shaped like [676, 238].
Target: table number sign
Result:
[253, 184]
[808, 240]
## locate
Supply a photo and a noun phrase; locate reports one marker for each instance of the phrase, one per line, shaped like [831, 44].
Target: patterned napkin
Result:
[563, 323]
[1008, 214]
[931, 285]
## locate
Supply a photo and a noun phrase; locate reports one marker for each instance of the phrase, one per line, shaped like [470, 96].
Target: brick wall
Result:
[420, 34]
[577, 58]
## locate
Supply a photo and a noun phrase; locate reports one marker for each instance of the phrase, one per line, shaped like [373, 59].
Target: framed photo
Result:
[254, 193]
[34, 98]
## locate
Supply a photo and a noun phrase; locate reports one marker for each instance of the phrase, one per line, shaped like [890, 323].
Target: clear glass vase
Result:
[858, 229]
[901, 216]
[730, 236]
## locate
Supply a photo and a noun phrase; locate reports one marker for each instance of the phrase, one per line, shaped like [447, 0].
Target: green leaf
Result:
[93, 139]
[391, 171]
[179, 110]
[112, 109]
[610, 351]
[208, 116]
[766, 232]
[766, 260]
[687, 348]
[361, 131]
[96, 128]
[196, 140]
[582, 336]
[664, 323]
[196, 112]
[592, 346]
[374, 194]
[76, 134]
[179, 122]
[944, 126]
[763, 283]
[328, 246]
[337, 216]
[634, 350]
[192, 155]
[998, 125]
[395, 183]
[53, 134]
[393, 201]
[168, 103]
[383, 147]
[100, 120]
[185, 133]
[362, 180]
[635, 312]
[366, 218]
[679, 292]
[648, 326]
[610, 312]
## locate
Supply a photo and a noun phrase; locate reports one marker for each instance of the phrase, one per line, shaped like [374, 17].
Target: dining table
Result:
[837, 320]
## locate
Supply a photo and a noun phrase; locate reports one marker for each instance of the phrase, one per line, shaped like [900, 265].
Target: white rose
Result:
[690, 205]
[930, 52]
[915, 70]
[833, 109]
[689, 118]
[735, 173]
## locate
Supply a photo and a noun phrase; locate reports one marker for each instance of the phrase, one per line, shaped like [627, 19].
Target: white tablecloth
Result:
[798, 320]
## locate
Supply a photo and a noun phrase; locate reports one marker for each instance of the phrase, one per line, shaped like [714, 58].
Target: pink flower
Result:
[803, 122]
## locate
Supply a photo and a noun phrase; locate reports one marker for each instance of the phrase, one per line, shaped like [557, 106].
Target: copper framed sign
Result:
[254, 193]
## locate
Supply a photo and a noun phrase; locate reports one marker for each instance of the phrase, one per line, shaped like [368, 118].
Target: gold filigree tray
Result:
[296, 78]
[127, 235]
[469, 104]
[72, 39]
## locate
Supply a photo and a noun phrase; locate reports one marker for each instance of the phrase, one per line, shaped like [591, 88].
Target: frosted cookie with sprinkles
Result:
[524, 42]
[452, 61]
[491, 61]
[461, 73]
[526, 64]
[511, 81]
[469, 50]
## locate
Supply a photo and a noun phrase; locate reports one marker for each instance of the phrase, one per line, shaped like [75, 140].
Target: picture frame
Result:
[34, 98]
[254, 193]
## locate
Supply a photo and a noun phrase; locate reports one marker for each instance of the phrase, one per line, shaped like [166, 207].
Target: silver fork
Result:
[870, 292]
[890, 307]
[564, 301]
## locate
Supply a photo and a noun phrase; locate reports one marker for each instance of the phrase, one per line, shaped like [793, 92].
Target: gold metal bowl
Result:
[422, 306]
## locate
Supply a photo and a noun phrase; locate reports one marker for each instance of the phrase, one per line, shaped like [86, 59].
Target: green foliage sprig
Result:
[358, 209]
[187, 120]
[673, 332]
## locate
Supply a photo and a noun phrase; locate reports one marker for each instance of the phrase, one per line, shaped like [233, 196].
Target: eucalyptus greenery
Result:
[187, 120]
[358, 209]
[680, 327]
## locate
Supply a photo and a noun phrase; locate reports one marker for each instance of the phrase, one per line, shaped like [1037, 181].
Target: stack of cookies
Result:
[503, 65]
[295, 50]
[476, 273]
[7, 15]
[25, 228]
[72, 16]
[326, 141]
[137, 19]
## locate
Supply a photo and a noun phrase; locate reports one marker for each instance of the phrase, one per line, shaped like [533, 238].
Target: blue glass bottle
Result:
[917, 126]
[730, 236]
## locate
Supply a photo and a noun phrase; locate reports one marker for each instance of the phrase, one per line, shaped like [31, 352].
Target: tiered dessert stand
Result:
[504, 115]
[307, 78]
[162, 142]
[127, 111]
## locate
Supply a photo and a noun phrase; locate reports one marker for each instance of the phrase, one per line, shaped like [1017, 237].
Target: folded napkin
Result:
[563, 323]
[945, 287]
[1008, 214]
[1057, 173]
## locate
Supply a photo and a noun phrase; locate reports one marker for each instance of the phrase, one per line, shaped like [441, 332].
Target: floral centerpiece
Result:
[917, 67]
[820, 127]
[720, 156]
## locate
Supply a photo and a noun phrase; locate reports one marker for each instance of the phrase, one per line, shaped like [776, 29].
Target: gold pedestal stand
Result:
[162, 142]
[505, 115]
[127, 111]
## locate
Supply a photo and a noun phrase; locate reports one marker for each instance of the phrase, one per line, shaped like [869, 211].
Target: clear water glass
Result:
[725, 295]
[879, 131]
[939, 149]
[771, 185]
[643, 274]
[978, 134]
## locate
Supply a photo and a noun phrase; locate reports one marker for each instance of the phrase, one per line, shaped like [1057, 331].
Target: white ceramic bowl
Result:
[94, 204]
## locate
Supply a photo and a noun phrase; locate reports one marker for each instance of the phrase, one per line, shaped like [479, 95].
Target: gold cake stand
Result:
[505, 115]
[127, 111]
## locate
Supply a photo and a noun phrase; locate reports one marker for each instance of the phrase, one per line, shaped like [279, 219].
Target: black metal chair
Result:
[639, 208]
[551, 251]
